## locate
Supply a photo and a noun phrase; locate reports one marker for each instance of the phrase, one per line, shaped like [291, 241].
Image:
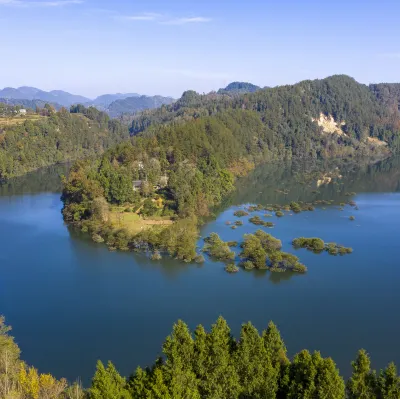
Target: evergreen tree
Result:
[362, 382]
[158, 389]
[108, 384]
[388, 383]
[138, 384]
[329, 384]
[179, 351]
[258, 377]
[302, 376]
[221, 380]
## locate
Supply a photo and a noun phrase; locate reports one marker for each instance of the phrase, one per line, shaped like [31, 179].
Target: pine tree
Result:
[200, 357]
[329, 384]
[388, 383]
[276, 352]
[179, 351]
[258, 377]
[138, 384]
[362, 382]
[108, 384]
[157, 387]
[221, 380]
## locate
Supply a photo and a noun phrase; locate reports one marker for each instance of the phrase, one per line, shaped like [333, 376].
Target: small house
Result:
[22, 111]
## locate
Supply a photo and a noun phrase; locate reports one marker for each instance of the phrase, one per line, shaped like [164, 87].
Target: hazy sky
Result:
[91, 47]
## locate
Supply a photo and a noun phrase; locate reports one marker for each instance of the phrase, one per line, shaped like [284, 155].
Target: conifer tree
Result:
[179, 351]
[329, 384]
[258, 377]
[221, 379]
[108, 384]
[388, 383]
[362, 382]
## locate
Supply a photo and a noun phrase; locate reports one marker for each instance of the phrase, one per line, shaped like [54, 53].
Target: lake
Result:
[71, 301]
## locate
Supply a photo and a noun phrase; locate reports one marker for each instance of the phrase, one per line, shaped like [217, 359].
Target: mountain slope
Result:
[106, 99]
[29, 103]
[28, 143]
[131, 105]
[239, 88]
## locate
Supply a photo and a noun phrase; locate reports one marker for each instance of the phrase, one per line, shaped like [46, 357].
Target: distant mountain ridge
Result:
[239, 88]
[32, 93]
[131, 105]
[114, 104]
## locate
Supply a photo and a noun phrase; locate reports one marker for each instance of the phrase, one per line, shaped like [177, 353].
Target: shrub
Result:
[231, 268]
[248, 265]
[240, 213]
[239, 223]
[312, 244]
[256, 220]
[199, 259]
[352, 218]
[295, 207]
[156, 256]
[279, 214]
[97, 238]
[268, 224]
[217, 248]
[232, 243]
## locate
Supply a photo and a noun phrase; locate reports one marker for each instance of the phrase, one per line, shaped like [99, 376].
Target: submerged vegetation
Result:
[217, 248]
[317, 246]
[263, 251]
[208, 364]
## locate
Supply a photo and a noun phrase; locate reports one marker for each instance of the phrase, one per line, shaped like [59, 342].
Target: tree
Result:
[179, 351]
[221, 379]
[362, 382]
[257, 375]
[108, 384]
[388, 386]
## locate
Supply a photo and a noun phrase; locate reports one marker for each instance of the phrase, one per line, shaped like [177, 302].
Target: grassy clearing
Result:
[18, 120]
[135, 223]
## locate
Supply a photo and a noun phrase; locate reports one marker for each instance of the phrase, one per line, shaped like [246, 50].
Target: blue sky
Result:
[91, 47]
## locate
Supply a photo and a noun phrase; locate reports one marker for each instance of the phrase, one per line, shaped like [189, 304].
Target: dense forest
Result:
[208, 364]
[45, 137]
[135, 104]
[235, 88]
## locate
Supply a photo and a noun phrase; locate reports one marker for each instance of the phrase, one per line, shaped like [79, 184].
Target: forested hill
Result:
[291, 113]
[239, 88]
[47, 137]
[134, 104]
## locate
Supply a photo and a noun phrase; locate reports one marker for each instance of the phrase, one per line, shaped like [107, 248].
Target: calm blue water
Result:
[71, 301]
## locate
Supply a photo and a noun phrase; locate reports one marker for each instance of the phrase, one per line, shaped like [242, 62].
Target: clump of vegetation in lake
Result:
[228, 223]
[352, 218]
[217, 248]
[317, 246]
[239, 223]
[295, 207]
[256, 220]
[268, 215]
[232, 243]
[259, 222]
[231, 268]
[240, 213]
[199, 259]
[313, 244]
[263, 251]
[279, 214]
[352, 203]
[248, 265]
[156, 256]
[97, 238]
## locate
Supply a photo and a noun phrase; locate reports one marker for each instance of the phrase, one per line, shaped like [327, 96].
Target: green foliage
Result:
[60, 137]
[240, 213]
[217, 248]
[108, 384]
[362, 383]
[313, 244]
